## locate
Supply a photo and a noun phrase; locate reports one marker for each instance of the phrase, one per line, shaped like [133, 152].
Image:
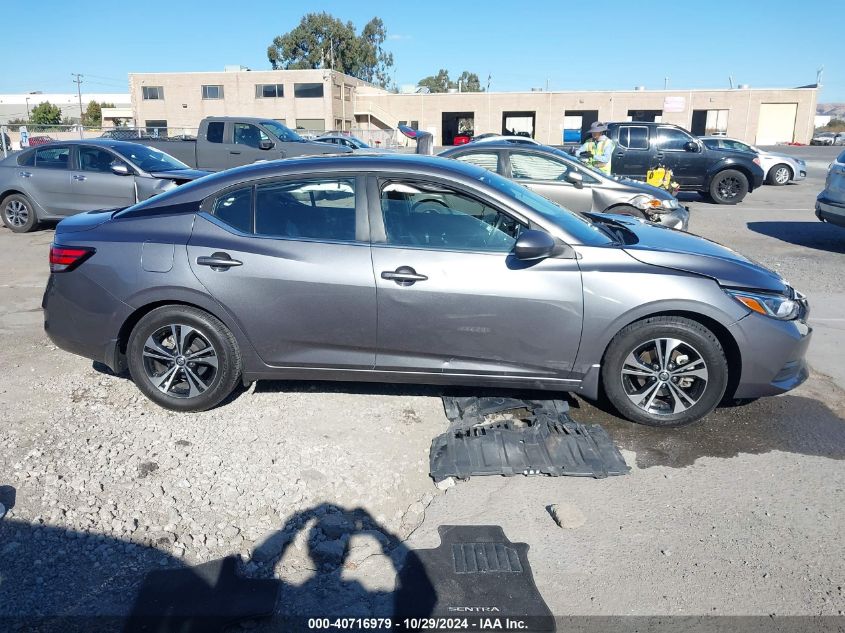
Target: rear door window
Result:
[536, 167]
[315, 209]
[487, 160]
[53, 157]
[633, 136]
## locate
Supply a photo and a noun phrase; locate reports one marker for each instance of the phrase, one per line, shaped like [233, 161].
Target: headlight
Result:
[775, 306]
[650, 203]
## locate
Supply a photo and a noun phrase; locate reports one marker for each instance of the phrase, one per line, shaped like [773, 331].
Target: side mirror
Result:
[692, 146]
[266, 145]
[119, 168]
[532, 244]
[574, 178]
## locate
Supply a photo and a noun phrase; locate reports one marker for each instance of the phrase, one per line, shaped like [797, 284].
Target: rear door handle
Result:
[79, 177]
[404, 276]
[25, 174]
[218, 261]
[231, 152]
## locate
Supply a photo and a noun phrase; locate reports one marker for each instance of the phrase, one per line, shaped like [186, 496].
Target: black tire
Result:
[18, 213]
[728, 187]
[703, 389]
[627, 209]
[779, 175]
[195, 385]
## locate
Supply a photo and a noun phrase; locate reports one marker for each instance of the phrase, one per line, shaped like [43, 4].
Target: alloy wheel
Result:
[664, 376]
[729, 187]
[16, 213]
[782, 175]
[180, 361]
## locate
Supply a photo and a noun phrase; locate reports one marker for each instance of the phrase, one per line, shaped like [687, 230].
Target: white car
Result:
[778, 169]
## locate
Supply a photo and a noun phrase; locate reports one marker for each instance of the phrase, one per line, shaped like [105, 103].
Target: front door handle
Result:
[233, 152]
[79, 177]
[218, 261]
[404, 276]
[25, 174]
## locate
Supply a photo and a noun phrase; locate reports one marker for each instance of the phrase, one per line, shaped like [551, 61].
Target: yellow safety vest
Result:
[598, 148]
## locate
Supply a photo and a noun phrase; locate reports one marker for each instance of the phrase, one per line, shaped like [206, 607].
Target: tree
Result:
[14, 124]
[467, 82]
[46, 113]
[93, 115]
[323, 41]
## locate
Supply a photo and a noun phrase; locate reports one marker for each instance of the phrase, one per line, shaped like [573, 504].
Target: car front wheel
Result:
[665, 371]
[728, 187]
[183, 359]
[779, 175]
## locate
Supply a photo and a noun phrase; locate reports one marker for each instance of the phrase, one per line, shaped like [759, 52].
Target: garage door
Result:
[777, 123]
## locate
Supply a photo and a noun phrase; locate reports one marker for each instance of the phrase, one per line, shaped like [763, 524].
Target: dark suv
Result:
[725, 176]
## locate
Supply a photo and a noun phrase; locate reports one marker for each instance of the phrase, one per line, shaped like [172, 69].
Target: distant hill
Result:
[835, 110]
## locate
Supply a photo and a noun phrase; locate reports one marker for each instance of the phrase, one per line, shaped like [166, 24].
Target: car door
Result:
[689, 168]
[289, 259]
[451, 296]
[545, 174]
[93, 184]
[48, 180]
[634, 153]
[245, 146]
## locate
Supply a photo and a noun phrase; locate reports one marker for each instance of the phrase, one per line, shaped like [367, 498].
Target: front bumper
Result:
[773, 355]
[675, 219]
[829, 211]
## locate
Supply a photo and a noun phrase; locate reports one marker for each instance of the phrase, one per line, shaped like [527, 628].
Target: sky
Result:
[562, 45]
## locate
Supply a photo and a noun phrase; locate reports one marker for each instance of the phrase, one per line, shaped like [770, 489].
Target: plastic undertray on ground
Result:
[509, 436]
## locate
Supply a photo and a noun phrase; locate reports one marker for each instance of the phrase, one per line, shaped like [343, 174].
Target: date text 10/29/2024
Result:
[424, 624]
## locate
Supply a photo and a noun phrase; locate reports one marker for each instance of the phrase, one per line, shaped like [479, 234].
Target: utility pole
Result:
[27, 109]
[665, 83]
[78, 82]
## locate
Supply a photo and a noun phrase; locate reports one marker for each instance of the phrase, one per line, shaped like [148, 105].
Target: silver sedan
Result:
[53, 181]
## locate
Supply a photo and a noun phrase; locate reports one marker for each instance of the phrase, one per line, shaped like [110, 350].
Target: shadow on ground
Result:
[53, 579]
[814, 234]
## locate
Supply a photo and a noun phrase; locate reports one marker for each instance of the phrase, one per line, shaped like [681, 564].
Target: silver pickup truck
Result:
[224, 142]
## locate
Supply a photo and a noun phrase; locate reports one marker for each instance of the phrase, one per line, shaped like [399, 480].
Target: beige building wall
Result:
[183, 106]
[549, 107]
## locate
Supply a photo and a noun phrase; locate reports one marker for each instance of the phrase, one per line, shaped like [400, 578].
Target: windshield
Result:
[578, 226]
[357, 142]
[283, 132]
[150, 159]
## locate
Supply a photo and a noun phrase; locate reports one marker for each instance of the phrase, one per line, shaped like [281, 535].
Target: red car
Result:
[40, 140]
[462, 138]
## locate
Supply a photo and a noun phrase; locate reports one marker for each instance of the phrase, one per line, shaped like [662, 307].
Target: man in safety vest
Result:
[598, 150]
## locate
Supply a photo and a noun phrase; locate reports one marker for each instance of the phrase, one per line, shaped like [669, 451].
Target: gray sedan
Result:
[415, 269]
[55, 180]
[560, 178]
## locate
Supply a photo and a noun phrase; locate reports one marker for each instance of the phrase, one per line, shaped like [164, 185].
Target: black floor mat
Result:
[476, 573]
[200, 599]
[508, 436]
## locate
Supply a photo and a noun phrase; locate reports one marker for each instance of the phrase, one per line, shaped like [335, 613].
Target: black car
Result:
[725, 176]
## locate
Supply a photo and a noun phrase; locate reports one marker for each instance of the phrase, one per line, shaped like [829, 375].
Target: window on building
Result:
[269, 91]
[150, 93]
[214, 133]
[709, 122]
[487, 160]
[53, 157]
[312, 125]
[319, 209]
[235, 209]
[430, 215]
[633, 136]
[156, 127]
[308, 91]
[212, 92]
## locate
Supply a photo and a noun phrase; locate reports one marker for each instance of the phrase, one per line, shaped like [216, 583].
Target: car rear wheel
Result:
[779, 175]
[728, 187]
[665, 371]
[19, 214]
[183, 359]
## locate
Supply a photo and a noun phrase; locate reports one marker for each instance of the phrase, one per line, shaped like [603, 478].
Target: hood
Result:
[638, 186]
[180, 174]
[661, 246]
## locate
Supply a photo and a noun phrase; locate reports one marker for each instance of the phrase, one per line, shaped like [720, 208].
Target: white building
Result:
[18, 106]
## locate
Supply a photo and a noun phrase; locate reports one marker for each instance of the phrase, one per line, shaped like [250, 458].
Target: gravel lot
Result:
[740, 514]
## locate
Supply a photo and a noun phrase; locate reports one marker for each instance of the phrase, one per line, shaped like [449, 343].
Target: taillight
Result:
[63, 259]
[756, 161]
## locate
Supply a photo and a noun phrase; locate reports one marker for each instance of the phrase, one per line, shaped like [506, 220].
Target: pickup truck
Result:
[224, 142]
[725, 176]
